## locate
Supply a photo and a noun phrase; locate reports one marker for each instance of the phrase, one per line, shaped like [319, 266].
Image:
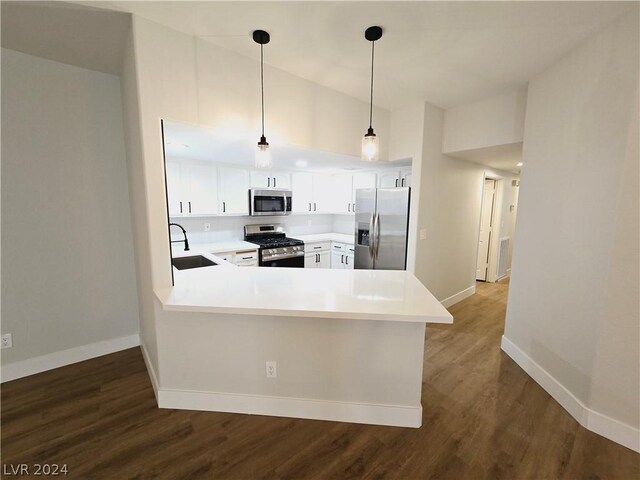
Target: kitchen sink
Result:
[195, 261]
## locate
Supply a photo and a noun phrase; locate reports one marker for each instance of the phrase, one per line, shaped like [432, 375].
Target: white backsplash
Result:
[344, 224]
[225, 229]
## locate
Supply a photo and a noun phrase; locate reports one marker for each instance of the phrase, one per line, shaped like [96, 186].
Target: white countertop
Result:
[216, 247]
[324, 237]
[299, 292]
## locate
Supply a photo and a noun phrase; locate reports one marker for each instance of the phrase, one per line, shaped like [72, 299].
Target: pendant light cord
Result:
[262, 84]
[373, 44]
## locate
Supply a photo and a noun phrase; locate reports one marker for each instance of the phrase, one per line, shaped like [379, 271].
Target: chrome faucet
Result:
[186, 242]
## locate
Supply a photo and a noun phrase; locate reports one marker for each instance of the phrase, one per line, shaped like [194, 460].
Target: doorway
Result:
[487, 222]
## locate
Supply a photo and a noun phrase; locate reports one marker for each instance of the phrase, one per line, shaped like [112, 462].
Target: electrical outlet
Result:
[423, 234]
[7, 341]
[207, 227]
[272, 369]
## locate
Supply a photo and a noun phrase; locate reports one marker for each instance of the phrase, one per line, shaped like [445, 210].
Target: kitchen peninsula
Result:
[342, 345]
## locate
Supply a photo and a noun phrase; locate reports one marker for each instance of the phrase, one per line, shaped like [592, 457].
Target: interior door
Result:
[391, 228]
[484, 242]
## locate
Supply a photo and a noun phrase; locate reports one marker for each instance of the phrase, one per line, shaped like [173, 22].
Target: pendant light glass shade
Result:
[263, 155]
[370, 147]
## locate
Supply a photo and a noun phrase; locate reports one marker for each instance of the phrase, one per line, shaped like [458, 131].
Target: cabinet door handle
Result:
[346, 260]
[314, 206]
[396, 183]
[354, 208]
[402, 182]
[268, 182]
[274, 182]
[224, 207]
[317, 258]
[309, 206]
[180, 207]
[341, 258]
[348, 207]
[189, 207]
[247, 258]
[316, 248]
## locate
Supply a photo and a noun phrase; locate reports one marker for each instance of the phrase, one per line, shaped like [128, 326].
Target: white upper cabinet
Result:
[322, 193]
[361, 180]
[405, 177]
[192, 188]
[342, 198]
[174, 187]
[312, 193]
[302, 188]
[270, 179]
[344, 190]
[394, 178]
[233, 186]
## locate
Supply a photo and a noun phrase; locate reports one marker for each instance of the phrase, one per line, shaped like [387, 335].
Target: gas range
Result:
[276, 249]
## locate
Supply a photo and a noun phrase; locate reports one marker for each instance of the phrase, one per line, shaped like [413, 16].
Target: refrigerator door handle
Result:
[372, 226]
[376, 235]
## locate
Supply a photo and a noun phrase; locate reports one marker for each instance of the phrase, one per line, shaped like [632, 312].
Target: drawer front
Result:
[228, 256]
[350, 249]
[247, 263]
[338, 247]
[246, 256]
[317, 247]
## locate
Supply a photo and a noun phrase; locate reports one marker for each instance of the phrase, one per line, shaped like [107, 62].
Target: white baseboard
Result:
[458, 297]
[391, 415]
[608, 427]
[31, 366]
[150, 370]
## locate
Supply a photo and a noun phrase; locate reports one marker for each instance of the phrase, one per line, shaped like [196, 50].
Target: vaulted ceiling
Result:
[447, 53]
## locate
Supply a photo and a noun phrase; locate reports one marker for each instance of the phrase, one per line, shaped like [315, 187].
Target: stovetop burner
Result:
[269, 236]
[274, 242]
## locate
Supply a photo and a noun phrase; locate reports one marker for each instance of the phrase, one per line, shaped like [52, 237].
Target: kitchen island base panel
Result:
[344, 370]
[386, 415]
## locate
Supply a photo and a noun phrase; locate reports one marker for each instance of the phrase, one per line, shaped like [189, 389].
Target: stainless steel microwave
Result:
[269, 202]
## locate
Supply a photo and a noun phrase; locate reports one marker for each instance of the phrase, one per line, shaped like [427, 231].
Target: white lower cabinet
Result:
[341, 256]
[318, 260]
[241, 258]
[317, 255]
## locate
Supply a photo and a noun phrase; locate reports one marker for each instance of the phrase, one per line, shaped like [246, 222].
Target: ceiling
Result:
[501, 157]
[447, 53]
[215, 145]
[73, 34]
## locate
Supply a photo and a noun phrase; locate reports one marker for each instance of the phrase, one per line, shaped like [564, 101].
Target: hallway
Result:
[483, 418]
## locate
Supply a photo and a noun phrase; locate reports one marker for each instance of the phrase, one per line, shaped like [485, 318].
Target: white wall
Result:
[450, 212]
[405, 135]
[573, 299]
[68, 275]
[494, 121]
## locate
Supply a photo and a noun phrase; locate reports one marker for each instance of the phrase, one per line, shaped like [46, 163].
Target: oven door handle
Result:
[282, 256]
[284, 197]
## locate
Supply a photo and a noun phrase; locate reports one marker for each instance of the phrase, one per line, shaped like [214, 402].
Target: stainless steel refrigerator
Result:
[382, 224]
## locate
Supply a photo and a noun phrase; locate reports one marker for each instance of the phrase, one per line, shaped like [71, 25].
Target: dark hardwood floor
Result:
[483, 418]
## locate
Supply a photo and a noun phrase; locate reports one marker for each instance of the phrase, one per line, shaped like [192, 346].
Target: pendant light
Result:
[263, 155]
[370, 145]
